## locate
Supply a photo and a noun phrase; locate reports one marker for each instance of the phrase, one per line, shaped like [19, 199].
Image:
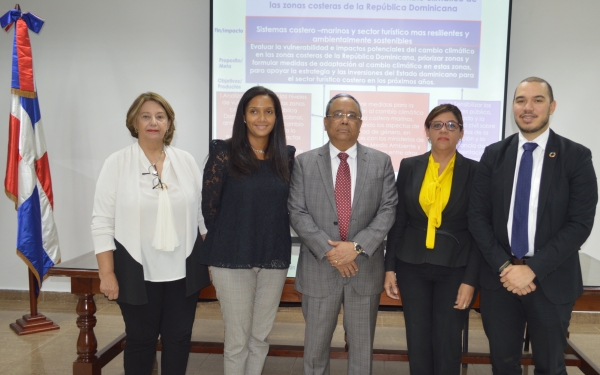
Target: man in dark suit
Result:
[532, 207]
[342, 203]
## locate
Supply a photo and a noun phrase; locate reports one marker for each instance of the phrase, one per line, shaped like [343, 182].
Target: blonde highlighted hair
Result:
[133, 111]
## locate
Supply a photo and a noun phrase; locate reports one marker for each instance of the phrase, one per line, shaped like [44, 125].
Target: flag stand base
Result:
[33, 324]
[25, 88]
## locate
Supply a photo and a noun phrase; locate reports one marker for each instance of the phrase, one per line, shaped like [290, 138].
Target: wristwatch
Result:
[359, 250]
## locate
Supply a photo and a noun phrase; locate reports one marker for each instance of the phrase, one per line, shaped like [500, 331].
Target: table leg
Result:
[86, 343]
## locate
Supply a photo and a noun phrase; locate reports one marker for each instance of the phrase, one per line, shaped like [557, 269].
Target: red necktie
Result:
[343, 195]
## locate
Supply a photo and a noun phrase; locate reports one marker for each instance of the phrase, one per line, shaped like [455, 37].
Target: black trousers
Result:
[168, 313]
[504, 315]
[433, 326]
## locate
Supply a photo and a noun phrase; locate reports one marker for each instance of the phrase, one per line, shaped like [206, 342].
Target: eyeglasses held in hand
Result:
[156, 182]
[340, 115]
[450, 125]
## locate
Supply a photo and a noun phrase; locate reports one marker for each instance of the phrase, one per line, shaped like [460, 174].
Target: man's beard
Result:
[534, 130]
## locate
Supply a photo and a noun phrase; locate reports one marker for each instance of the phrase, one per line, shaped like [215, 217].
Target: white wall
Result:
[558, 40]
[93, 58]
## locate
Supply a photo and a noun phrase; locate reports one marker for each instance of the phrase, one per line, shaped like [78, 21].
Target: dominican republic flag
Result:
[27, 180]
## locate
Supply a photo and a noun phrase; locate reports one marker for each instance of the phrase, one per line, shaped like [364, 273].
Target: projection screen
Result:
[398, 58]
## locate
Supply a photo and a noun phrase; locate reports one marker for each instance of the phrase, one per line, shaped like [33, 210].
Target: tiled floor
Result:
[53, 352]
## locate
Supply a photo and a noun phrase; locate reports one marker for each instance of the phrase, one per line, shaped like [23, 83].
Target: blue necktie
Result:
[520, 227]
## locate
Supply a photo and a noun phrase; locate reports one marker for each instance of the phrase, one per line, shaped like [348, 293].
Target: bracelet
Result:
[502, 267]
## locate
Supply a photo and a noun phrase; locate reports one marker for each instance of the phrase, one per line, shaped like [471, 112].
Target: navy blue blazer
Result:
[566, 210]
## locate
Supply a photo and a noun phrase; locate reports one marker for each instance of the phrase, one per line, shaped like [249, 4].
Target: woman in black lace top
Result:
[248, 244]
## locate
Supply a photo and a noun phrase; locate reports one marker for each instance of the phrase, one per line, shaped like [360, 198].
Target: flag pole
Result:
[32, 299]
[37, 240]
[33, 322]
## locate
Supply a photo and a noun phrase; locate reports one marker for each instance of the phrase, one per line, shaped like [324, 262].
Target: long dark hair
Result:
[243, 160]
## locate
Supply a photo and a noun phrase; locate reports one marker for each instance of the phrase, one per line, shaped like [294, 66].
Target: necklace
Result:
[153, 171]
[258, 151]
[158, 158]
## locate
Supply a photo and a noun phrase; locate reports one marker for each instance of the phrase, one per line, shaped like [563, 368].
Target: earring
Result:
[135, 130]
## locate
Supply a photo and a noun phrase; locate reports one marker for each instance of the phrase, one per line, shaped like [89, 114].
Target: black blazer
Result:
[566, 209]
[130, 274]
[406, 239]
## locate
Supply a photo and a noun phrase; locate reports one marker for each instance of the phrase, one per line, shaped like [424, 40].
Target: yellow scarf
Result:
[434, 195]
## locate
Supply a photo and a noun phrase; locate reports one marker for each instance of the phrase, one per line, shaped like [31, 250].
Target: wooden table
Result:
[85, 283]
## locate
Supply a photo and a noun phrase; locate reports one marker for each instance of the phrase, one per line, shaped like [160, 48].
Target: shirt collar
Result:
[352, 151]
[541, 139]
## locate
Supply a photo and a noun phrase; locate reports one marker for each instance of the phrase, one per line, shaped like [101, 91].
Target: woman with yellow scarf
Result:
[430, 251]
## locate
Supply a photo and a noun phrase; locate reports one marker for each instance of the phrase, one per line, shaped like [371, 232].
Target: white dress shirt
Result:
[126, 206]
[158, 265]
[335, 163]
[534, 196]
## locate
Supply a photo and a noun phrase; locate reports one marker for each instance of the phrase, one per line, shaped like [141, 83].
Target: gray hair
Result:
[342, 95]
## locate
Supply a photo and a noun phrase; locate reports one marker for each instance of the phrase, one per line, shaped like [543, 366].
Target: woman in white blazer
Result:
[146, 226]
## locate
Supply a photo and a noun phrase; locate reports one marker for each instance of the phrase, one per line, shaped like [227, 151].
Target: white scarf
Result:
[190, 182]
[165, 235]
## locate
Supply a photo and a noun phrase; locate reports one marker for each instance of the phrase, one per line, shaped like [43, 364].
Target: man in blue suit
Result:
[532, 207]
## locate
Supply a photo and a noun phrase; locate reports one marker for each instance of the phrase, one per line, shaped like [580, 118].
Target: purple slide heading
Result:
[318, 30]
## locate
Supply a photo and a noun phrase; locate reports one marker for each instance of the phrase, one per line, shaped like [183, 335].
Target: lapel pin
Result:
[552, 154]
